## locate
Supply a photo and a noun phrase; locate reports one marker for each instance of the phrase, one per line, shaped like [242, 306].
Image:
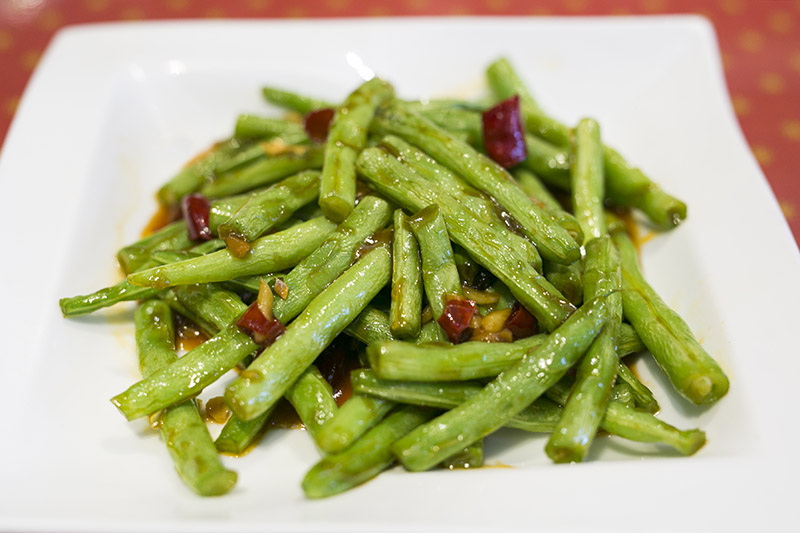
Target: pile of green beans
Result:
[382, 234]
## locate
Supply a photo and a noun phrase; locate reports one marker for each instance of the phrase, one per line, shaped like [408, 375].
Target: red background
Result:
[760, 42]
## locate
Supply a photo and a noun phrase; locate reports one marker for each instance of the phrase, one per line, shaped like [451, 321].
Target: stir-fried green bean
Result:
[626, 185]
[269, 376]
[691, 370]
[346, 137]
[405, 313]
[527, 276]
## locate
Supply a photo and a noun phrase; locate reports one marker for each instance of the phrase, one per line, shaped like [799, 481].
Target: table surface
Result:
[760, 42]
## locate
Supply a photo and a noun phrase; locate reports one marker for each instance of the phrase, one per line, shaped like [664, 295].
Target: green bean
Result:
[193, 451]
[217, 309]
[347, 136]
[182, 429]
[429, 332]
[270, 253]
[167, 257]
[642, 396]
[271, 373]
[106, 297]
[255, 127]
[395, 181]
[294, 143]
[615, 223]
[537, 191]
[538, 417]
[308, 212]
[371, 325]
[568, 279]
[333, 256]
[507, 395]
[310, 395]
[224, 208]
[469, 457]
[405, 313]
[456, 120]
[690, 369]
[187, 376]
[541, 416]
[628, 341]
[237, 435]
[426, 166]
[504, 83]
[401, 185]
[251, 284]
[552, 241]
[623, 394]
[639, 426]
[125, 291]
[354, 418]
[547, 161]
[586, 406]
[293, 101]
[625, 184]
[480, 205]
[206, 305]
[265, 171]
[628, 186]
[266, 209]
[587, 182]
[399, 360]
[192, 177]
[312, 398]
[365, 459]
[155, 336]
[244, 157]
[171, 237]
[439, 272]
[214, 308]
[436, 362]
[247, 283]
[435, 104]
[206, 247]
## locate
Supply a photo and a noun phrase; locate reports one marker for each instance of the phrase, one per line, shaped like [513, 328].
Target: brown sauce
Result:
[216, 411]
[335, 365]
[160, 218]
[187, 335]
[634, 231]
[284, 417]
[380, 238]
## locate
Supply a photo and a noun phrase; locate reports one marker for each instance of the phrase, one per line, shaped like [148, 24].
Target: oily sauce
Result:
[163, 216]
[187, 335]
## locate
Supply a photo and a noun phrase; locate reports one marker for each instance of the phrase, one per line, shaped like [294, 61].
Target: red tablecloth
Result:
[760, 41]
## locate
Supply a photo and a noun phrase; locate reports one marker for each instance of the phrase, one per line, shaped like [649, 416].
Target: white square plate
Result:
[113, 110]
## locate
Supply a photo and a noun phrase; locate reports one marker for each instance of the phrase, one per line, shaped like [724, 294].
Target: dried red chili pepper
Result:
[503, 134]
[521, 323]
[317, 123]
[196, 210]
[262, 330]
[455, 319]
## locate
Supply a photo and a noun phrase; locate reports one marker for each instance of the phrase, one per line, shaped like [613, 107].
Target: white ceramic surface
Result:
[113, 110]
